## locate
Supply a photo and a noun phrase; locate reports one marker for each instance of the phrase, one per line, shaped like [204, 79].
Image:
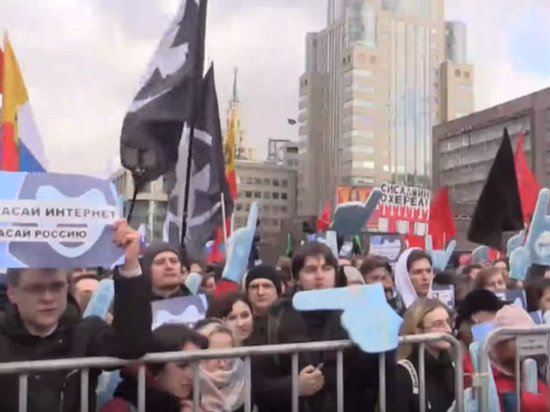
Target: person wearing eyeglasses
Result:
[41, 323]
[425, 316]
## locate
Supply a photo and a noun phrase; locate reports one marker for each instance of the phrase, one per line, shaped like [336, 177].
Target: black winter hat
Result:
[265, 272]
[153, 250]
[477, 301]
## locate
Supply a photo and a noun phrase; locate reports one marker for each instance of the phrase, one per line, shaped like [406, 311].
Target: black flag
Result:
[498, 209]
[153, 125]
[207, 181]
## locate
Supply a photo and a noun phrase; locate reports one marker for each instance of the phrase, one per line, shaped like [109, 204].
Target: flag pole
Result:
[224, 225]
[197, 102]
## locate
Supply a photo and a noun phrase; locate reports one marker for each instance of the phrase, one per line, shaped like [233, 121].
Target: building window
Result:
[284, 196]
[248, 194]
[457, 73]
[275, 195]
[267, 181]
[284, 183]
[372, 59]
[257, 181]
[284, 209]
[249, 180]
[266, 208]
[276, 182]
[267, 195]
[247, 207]
[239, 207]
[257, 195]
[466, 75]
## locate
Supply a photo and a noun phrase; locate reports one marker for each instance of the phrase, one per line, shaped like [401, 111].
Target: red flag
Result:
[216, 255]
[441, 225]
[527, 182]
[323, 221]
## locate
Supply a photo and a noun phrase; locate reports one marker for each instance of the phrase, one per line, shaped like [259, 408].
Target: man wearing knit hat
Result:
[263, 286]
[163, 263]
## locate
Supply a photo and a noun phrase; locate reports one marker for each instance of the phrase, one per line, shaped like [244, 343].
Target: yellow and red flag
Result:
[20, 143]
[229, 151]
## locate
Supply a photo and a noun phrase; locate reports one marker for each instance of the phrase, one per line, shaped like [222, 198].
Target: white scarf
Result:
[223, 391]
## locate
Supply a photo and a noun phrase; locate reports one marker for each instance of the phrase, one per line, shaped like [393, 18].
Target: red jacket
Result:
[529, 401]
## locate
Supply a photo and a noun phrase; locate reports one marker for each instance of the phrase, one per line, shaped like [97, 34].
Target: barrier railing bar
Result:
[422, 367]
[84, 389]
[340, 380]
[459, 372]
[248, 383]
[193, 356]
[295, 372]
[382, 381]
[484, 364]
[23, 387]
[196, 386]
[517, 368]
[141, 388]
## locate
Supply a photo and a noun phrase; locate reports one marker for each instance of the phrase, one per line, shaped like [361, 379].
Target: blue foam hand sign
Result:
[332, 242]
[514, 242]
[239, 245]
[440, 258]
[494, 404]
[373, 334]
[350, 218]
[193, 282]
[101, 300]
[537, 245]
[480, 254]
[471, 402]
[529, 376]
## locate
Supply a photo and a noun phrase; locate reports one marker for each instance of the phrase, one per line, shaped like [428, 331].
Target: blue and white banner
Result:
[52, 220]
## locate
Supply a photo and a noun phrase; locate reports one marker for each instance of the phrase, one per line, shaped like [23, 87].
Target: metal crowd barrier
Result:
[23, 369]
[529, 342]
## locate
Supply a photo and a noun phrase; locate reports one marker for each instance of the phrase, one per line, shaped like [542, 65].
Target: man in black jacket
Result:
[40, 324]
[314, 268]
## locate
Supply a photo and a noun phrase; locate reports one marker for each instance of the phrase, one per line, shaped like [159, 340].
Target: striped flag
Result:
[21, 145]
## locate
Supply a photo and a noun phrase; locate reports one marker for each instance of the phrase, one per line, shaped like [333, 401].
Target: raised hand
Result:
[238, 248]
[440, 258]
[351, 217]
[129, 239]
[371, 323]
[537, 245]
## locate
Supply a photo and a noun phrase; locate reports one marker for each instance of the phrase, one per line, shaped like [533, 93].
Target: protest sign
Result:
[186, 310]
[515, 297]
[388, 246]
[51, 220]
[445, 294]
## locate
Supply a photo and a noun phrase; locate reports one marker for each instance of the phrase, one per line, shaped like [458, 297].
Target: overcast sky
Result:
[82, 61]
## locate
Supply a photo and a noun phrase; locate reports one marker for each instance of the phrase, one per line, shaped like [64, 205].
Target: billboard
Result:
[402, 209]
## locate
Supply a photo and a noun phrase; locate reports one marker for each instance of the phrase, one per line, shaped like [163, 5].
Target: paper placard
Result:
[445, 294]
[531, 345]
[52, 220]
[514, 296]
[186, 310]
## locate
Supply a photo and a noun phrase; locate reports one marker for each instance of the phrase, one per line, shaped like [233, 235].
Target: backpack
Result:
[412, 372]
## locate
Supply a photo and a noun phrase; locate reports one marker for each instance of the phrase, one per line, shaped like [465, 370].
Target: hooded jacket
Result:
[272, 378]
[129, 337]
[403, 281]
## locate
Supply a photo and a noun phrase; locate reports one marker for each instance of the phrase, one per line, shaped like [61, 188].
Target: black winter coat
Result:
[439, 381]
[271, 375]
[129, 337]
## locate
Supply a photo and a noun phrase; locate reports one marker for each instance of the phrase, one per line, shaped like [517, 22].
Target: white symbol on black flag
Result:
[154, 123]
[207, 181]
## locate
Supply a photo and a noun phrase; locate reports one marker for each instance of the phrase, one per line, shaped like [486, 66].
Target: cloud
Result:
[82, 62]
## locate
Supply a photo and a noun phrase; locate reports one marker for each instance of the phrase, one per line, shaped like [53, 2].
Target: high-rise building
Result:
[456, 75]
[371, 92]
[368, 98]
[242, 148]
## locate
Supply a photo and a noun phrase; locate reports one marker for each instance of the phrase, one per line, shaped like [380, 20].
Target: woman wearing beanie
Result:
[479, 306]
[503, 355]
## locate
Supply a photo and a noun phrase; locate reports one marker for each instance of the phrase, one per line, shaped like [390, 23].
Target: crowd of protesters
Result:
[42, 319]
